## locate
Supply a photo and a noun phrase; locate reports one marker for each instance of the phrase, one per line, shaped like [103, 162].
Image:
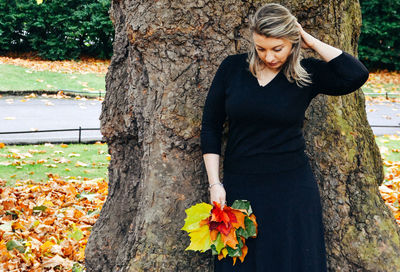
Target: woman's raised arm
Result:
[339, 73]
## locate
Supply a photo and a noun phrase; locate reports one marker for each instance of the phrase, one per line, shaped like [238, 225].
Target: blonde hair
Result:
[275, 20]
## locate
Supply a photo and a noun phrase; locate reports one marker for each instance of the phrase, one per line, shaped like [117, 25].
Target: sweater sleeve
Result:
[214, 114]
[341, 75]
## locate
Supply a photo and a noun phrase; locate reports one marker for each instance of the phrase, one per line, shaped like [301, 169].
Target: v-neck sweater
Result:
[265, 122]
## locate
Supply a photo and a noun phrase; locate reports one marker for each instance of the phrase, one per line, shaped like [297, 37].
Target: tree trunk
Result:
[165, 56]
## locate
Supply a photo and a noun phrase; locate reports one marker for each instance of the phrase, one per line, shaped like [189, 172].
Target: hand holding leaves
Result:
[223, 230]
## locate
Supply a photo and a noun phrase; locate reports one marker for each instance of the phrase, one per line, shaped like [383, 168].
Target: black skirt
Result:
[288, 212]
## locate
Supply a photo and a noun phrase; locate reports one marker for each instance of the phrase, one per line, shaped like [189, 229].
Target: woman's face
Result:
[272, 51]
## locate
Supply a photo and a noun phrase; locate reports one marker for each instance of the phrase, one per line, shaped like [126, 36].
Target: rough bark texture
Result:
[165, 55]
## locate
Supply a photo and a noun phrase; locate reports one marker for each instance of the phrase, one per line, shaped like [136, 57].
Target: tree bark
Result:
[165, 56]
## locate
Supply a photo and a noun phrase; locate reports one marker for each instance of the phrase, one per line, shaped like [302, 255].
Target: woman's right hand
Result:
[218, 194]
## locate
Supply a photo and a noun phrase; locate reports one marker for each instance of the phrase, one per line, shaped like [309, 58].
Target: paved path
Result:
[51, 113]
[384, 114]
[47, 114]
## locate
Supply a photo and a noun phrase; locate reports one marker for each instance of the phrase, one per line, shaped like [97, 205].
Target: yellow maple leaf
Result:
[200, 239]
[195, 214]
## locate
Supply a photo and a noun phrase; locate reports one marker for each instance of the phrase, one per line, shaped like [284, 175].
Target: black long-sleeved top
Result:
[265, 122]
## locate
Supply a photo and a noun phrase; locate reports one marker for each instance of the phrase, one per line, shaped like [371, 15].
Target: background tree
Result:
[165, 54]
[56, 29]
[379, 39]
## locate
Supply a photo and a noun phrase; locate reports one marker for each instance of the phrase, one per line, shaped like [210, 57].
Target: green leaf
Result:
[39, 208]
[240, 243]
[242, 204]
[13, 213]
[76, 233]
[93, 212]
[241, 232]
[250, 227]
[195, 214]
[218, 243]
[77, 268]
[234, 252]
[15, 244]
[89, 196]
[214, 250]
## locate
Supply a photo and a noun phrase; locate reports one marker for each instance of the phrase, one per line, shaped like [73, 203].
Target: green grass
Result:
[388, 145]
[17, 78]
[25, 161]
[96, 158]
[381, 88]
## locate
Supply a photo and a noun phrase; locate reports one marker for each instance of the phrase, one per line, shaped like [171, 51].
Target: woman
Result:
[264, 94]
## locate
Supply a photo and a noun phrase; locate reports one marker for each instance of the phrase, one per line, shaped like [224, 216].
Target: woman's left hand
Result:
[308, 41]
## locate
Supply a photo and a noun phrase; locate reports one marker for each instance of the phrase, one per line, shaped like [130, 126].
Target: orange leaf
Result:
[18, 225]
[230, 239]
[205, 221]
[223, 253]
[244, 253]
[213, 234]
[78, 214]
[240, 219]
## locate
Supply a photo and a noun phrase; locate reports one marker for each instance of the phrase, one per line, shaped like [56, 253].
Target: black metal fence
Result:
[80, 129]
[82, 92]
[98, 94]
[52, 130]
[386, 94]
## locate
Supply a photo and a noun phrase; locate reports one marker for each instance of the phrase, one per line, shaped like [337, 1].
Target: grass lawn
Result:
[14, 77]
[22, 162]
[382, 82]
[389, 146]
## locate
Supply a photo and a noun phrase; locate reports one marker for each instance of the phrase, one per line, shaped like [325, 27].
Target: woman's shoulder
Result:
[231, 63]
[236, 58]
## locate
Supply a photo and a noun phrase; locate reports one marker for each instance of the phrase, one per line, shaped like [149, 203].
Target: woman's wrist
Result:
[218, 183]
[326, 51]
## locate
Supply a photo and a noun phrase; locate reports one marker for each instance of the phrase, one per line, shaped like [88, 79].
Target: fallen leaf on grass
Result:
[83, 66]
[40, 219]
[57, 260]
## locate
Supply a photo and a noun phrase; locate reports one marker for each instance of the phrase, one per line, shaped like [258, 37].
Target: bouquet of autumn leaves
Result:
[224, 231]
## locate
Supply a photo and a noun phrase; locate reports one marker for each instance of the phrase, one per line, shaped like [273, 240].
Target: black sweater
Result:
[265, 122]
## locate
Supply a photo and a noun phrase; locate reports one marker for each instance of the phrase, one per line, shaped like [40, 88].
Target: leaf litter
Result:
[45, 226]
